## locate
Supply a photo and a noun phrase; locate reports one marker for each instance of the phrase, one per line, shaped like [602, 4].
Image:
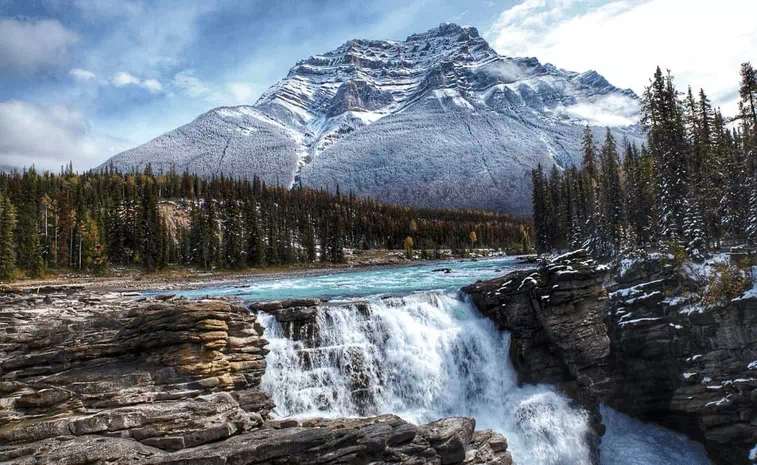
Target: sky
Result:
[85, 79]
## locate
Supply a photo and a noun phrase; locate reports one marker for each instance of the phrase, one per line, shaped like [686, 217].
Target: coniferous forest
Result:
[692, 186]
[95, 220]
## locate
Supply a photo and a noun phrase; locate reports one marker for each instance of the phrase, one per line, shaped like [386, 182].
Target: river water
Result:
[405, 341]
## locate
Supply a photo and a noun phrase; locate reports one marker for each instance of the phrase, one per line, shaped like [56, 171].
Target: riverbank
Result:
[187, 279]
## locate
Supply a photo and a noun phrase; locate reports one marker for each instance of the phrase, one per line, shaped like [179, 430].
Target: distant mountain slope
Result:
[439, 119]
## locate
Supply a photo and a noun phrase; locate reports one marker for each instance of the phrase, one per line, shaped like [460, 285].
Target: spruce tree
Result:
[255, 247]
[612, 194]
[663, 120]
[589, 161]
[540, 212]
[233, 235]
[7, 242]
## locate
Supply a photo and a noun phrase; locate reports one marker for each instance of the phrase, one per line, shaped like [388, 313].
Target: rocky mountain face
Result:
[555, 315]
[683, 365]
[643, 349]
[437, 120]
[95, 379]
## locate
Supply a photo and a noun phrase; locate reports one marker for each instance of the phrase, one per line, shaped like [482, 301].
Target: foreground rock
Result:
[555, 315]
[98, 378]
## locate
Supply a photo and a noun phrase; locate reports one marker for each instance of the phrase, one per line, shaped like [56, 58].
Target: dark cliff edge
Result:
[555, 316]
[94, 379]
[636, 342]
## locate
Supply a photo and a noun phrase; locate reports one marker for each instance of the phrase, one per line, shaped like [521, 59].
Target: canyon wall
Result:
[646, 348]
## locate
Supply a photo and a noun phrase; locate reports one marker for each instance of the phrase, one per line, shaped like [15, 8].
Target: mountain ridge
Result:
[342, 117]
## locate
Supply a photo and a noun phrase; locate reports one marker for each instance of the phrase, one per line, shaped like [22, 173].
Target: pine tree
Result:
[7, 245]
[662, 118]
[198, 237]
[255, 248]
[556, 224]
[612, 198]
[589, 162]
[233, 235]
[149, 226]
[540, 210]
[308, 240]
[212, 242]
[748, 116]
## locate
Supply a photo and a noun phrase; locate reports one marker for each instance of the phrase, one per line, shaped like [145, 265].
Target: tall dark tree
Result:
[662, 118]
[7, 239]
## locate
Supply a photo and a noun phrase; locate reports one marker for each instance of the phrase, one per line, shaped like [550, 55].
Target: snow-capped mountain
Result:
[437, 120]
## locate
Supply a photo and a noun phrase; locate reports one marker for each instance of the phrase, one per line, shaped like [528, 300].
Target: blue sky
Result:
[84, 79]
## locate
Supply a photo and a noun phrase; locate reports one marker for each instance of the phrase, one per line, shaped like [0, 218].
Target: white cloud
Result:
[230, 93]
[242, 92]
[190, 84]
[123, 78]
[702, 42]
[152, 85]
[29, 47]
[51, 136]
[610, 110]
[82, 74]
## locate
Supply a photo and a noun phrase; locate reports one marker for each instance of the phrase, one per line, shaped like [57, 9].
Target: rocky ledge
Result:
[647, 348]
[101, 379]
[687, 365]
[555, 316]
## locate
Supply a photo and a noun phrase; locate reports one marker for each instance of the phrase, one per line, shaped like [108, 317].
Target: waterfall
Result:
[431, 355]
[422, 357]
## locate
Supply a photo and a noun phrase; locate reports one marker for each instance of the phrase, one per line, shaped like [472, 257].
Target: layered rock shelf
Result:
[103, 379]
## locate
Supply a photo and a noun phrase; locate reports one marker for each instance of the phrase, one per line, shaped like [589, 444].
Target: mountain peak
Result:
[446, 30]
[377, 116]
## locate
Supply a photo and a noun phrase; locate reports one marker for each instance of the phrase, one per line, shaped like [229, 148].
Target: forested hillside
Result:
[94, 220]
[692, 186]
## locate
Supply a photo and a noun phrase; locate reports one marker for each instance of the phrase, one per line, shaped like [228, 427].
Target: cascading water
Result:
[422, 357]
[431, 355]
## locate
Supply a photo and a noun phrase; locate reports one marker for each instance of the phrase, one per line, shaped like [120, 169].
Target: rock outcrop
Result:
[90, 379]
[555, 316]
[689, 366]
[648, 348]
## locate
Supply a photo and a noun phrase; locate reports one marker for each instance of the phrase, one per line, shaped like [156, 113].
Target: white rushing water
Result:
[430, 355]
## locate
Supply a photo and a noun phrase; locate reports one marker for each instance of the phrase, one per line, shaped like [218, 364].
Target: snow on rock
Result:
[439, 119]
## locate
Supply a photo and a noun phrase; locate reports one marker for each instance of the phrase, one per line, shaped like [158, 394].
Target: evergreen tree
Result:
[662, 118]
[589, 161]
[255, 248]
[7, 240]
[212, 242]
[540, 212]
[612, 194]
[233, 235]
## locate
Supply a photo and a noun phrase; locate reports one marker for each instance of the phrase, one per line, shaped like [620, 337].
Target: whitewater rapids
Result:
[430, 355]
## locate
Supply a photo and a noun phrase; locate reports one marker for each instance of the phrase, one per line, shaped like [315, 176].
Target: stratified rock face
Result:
[95, 379]
[555, 316]
[690, 367]
[437, 120]
[169, 375]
